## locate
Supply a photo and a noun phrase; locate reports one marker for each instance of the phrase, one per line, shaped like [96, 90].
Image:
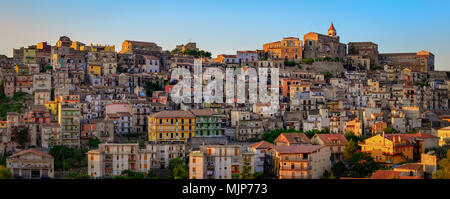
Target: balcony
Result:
[296, 168]
[235, 160]
[391, 154]
[295, 159]
[295, 176]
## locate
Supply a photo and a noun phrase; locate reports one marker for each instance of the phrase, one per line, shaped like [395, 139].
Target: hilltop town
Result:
[73, 110]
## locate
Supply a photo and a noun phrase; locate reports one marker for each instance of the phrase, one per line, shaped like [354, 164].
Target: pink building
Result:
[9, 88]
[117, 108]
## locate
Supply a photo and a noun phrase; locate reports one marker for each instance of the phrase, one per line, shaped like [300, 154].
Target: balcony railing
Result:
[290, 168]
[295, 159]
[295, 176]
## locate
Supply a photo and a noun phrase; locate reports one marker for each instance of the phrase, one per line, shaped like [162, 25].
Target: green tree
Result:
[52, 94]
[440, 152]
[308, 61]
[21, 136]
[179, 169]
[3, 160]
[4, 173]
[18, 95]
[151, 86]
[174, 162]
[121, 69]
[252, 140]
[444, 168]
[67, 158]
[246, 169]
[361, 165]
[313, 132]
[338, 170]
[328, 75]
[325, 175]
[151, 174]
[94, 142]
[390, 130]
[73, 175]
[129, 174]
[332, 176]
[5, 99]
[350, 149]
[10, 107]
[258, 175]
[272, 135]
[350, 136]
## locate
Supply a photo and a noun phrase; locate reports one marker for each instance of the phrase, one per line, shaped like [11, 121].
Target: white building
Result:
[247, 56]
[260, 149]
[31, 163]
[220, 162]
[111, 159]
[152, 64]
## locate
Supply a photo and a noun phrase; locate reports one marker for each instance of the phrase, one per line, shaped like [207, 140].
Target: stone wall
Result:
[334, 68]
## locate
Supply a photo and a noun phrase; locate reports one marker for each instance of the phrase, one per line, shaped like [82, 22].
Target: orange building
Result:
[424, 61]
[393, 148]
[288, 139]
[378, 127]
[354, 126]
[286, 84]
[299, 162]
[226, 59]
[288, 48]
[298, 88]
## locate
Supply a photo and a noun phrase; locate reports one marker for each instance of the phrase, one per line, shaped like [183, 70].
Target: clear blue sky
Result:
[227, 26]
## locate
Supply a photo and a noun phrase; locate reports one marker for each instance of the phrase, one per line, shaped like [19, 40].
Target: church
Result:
[319, 45]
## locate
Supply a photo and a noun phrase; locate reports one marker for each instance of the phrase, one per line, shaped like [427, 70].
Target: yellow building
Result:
[444, 136]
[171, 126]
[76, 45]
[29, 56]
[354, 126]
[100, 48]
[392, 148]
[53, 106]
[95, 69]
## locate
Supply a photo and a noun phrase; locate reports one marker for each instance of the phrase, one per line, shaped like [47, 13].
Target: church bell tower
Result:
[332, 31]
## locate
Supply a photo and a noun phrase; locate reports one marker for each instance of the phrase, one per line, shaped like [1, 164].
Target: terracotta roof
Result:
[31, 151]
[411, 166]
[385, 174]
[293, 138]
[445, 128]
[424, 135]
[297, 149]
[173, 114]
[203, 112]
[331, 27]
[407, 137]
[328, 138]
[228, 56]
[261, 145]
[247, 51]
